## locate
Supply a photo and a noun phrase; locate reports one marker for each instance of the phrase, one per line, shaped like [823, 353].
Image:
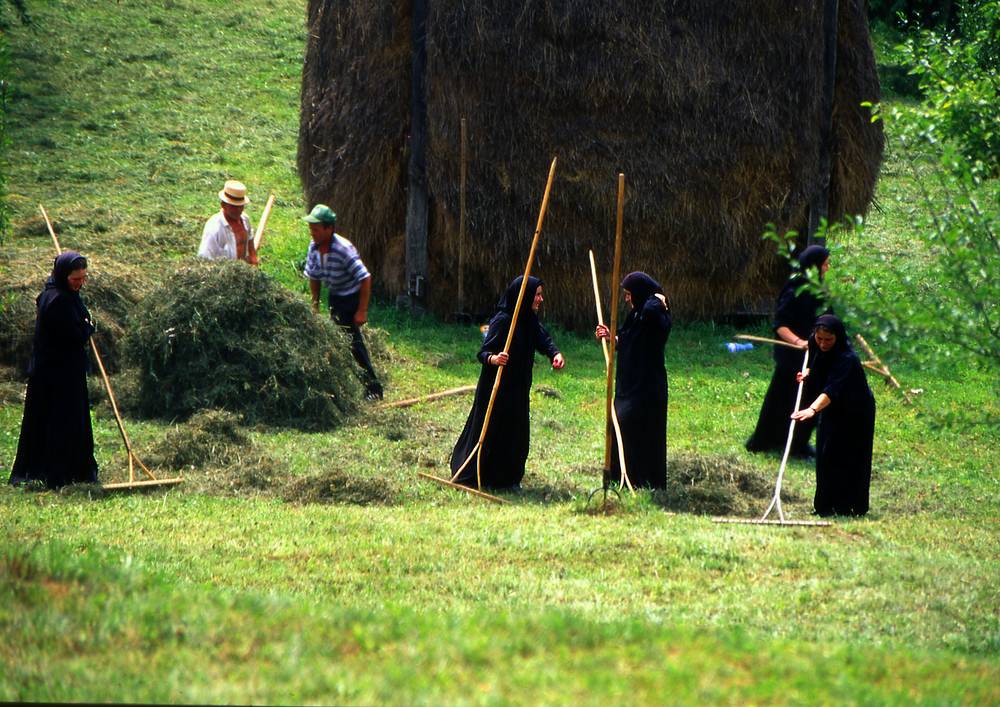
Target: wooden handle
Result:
[263, 222]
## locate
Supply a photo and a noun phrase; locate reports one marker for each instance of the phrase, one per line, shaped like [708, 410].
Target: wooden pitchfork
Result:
[261, 224]
[131, 483]
[611, 420]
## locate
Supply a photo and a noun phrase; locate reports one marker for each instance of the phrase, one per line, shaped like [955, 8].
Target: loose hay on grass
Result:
[340, 487]
[226, 336]
[215, 455]
[716, 485]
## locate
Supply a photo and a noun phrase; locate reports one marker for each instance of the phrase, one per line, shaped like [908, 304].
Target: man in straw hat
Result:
[333, 260]
[228, 234]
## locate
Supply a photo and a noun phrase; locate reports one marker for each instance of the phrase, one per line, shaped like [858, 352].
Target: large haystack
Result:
[711, 108]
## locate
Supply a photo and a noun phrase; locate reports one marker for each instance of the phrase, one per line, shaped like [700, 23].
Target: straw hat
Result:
[234, 193]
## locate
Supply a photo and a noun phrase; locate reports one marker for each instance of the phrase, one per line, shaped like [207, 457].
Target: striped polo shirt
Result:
[340, 269]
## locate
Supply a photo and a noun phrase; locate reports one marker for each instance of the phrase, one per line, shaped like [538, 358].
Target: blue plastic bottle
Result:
[734, 347]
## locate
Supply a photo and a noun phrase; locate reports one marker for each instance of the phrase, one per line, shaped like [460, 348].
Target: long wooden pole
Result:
[477, 450]
[262, 223]
[111, 397]
[609, 397]
[461, 227]
[424, 398]
[780, 342]
[882, 368]
[607, 358]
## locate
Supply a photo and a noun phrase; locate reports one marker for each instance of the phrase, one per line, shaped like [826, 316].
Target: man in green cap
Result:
[333, 260]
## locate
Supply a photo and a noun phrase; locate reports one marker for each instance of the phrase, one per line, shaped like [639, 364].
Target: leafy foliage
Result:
[941, 309]
[961, 87]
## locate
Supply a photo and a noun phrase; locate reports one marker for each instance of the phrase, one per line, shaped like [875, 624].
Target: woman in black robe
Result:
[846, 431]
[505, 446]
[641, 383]
[56, 445]
[794, 317]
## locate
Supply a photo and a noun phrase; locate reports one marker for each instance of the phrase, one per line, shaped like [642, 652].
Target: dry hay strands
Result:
[717, 485]
[341, 487]
[218, 456]
[226, 336]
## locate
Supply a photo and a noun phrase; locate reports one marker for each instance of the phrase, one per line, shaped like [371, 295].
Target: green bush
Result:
[961, 88]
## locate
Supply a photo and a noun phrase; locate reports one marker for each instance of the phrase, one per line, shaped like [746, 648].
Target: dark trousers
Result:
[342, 311]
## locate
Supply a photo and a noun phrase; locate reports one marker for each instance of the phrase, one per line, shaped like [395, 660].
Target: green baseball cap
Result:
[321, 213]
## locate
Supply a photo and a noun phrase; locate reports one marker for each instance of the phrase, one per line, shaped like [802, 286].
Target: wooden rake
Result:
[132, 458]
[477, 450]
[776, 499]
[875, 364]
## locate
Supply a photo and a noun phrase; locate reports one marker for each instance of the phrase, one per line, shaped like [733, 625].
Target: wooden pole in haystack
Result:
[610, 380]
[478, 449]
[607, 361]
[461, 227]
[131, 483]
[262, 223]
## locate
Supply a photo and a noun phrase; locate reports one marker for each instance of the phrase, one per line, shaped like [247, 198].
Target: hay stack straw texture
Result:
[224, 336]
[711, 108]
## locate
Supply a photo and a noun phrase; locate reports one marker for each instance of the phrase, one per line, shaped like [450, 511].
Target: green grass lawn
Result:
[126, 118]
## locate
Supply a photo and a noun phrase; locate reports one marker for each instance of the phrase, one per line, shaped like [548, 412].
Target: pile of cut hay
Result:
[712, 109]
[223, 335]
[215, 455]
[336, 486]
[700, 484]
[716, 485]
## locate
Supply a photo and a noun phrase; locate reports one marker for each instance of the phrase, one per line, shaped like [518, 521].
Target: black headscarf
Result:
[641, 286]
[61, 332]
[62, 267]
[508, 300]
[813, 257]
[836, 327]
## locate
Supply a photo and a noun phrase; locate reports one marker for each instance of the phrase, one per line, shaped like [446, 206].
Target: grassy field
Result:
[125, 120]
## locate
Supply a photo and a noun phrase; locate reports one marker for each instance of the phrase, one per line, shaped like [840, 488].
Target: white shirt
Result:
[218, 241]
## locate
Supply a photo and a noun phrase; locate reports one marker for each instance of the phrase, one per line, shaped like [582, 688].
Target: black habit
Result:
[56, 444]
[505, 446]
[797, 311]
[846, 429]
[641, 385]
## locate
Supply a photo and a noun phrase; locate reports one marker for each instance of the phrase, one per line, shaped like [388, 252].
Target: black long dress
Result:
[641, 391]
[798, 312]
[505, 446]
[846, 430]
[56, 444]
